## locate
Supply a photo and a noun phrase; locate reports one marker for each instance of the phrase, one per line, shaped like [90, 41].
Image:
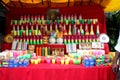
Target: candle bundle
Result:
[42, 51]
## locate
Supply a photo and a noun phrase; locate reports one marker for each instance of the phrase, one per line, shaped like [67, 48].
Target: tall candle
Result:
[91, 30]
[46, 51]
[18, 30]
[69, 31]
[86, 29]
[97, 31]
[43, 51]
[40, 52]
[37, 51]
[26, 30]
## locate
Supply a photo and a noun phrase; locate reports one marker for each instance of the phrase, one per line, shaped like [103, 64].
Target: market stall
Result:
[56, 42]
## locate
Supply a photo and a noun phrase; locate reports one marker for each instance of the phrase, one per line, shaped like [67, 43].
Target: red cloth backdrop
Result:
[57, 72]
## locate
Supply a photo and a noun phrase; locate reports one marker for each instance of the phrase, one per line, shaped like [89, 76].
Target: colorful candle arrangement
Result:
[67, 25]
[55, 60]
[13, 59]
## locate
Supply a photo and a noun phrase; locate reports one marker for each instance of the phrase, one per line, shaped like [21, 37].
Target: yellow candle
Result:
[32, 61]
[36, 61]
[53, 61]
[62, 61]
[67, 61]
[39, 60]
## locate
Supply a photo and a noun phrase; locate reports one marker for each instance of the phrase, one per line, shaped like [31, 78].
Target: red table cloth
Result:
[57, 72]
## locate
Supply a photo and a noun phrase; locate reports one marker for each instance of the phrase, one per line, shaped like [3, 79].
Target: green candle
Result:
[41, 41]
[28, 40]
[31, 41]
[48, 50]
[82, 21]
[38, 41]
[72, 21]
[66, 22]
[76, 62]
[43, 51]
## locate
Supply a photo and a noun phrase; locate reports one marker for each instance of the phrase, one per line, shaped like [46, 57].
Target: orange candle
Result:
[40, 51]
[37, 51]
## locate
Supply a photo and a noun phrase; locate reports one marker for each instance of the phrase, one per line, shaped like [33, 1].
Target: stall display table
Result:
[57, 72]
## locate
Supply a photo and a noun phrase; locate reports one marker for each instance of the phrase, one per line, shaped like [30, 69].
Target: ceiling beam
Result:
[4, 5]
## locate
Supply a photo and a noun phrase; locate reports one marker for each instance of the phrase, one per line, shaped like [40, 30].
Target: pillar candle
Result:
[43, 51]
[37, 51]
[46, 51]
[40, 51]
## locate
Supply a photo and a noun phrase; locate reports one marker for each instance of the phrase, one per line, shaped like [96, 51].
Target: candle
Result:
[53, 61]
[48, 61]
[66, 61]
[36, 61]
[46, 51]
[62, 61]
[39, 60]
[40, 51]
[32, 61]
[37, 51]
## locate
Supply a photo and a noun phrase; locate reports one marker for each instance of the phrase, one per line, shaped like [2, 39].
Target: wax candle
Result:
[26, 30]
[81, 30]
[32, 61]
[37, 51]
[66, 61]
[48, 61]
[43, 51]
[91, 30]
[53, 61]
[46, 51]
[76, 62]
[64, 30]
[76, 41]
[36, 61]
[68, 39]
[62, 61]
[69, 31]
[50, 27]
[86, 29]
[74, 30]
[97, 31]
[40, 53]
[66, 22]
[39, 60]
